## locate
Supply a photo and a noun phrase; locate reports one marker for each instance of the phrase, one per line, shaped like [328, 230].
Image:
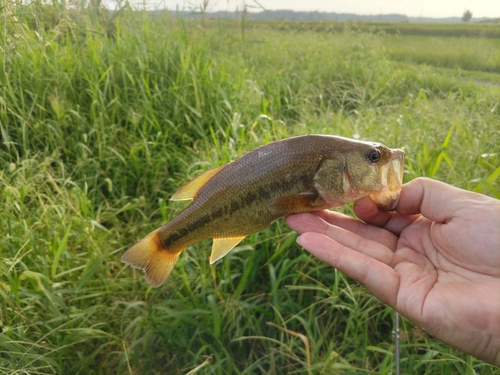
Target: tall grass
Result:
[103, 116]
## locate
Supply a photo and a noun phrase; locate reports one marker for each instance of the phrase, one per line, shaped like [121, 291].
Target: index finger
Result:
[392, 221]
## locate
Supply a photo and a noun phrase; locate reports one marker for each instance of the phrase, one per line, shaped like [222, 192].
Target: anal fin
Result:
[189, 190]
[150, 256]
[222, 246]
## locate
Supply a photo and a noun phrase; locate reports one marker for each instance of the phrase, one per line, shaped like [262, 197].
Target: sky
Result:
[411, 8]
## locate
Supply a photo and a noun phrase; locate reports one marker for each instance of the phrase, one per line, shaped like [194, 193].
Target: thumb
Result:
[433, 199]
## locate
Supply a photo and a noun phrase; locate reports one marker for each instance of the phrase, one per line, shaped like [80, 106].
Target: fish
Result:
[297, 174]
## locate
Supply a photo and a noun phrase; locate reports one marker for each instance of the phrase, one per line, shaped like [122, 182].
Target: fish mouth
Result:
[392, 182]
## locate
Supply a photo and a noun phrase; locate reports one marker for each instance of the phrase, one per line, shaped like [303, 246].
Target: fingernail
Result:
[298, 240]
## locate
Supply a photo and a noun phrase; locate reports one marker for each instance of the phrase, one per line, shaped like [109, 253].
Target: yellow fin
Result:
[222, 246]
[189, 190]
[297, 203]
[149, 256]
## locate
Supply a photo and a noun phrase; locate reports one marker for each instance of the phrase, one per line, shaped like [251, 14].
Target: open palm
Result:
[436, 259]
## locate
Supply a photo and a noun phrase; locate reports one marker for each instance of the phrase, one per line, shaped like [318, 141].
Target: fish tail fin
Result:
[150, 256]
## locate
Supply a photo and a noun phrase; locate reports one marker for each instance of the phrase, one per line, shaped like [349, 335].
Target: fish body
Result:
[298, 174]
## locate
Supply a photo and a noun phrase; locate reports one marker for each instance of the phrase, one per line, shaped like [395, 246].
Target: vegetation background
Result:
[103, 116]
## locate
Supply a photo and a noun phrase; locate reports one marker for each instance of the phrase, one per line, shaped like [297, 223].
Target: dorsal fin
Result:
[189, 190]
[222, 246]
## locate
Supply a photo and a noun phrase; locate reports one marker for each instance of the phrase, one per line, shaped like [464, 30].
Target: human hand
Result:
[435, 260]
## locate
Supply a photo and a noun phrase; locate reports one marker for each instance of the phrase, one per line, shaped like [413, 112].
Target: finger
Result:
[312, 223]
[353, 225]
[368, 211]
[433, 199]
[378, 277]
[368, 247]
[306, 222]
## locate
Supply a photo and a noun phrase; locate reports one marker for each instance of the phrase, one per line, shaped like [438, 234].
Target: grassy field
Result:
[103, 117]
[455, 30]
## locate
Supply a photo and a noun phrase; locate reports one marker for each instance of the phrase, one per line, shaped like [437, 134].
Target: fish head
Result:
[375, 170]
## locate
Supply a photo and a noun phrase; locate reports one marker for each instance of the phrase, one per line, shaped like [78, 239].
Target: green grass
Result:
[102, 119]
[456, 30]
[476, 54]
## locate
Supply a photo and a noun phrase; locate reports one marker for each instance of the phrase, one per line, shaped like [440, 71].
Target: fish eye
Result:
[373, 155]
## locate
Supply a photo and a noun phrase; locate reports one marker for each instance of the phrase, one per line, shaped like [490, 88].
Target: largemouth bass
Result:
[299, 174]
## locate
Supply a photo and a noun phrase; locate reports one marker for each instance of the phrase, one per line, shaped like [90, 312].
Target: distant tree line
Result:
[290, 15]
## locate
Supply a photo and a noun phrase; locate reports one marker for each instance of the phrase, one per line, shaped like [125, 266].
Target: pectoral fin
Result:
[222, 246]
[189, 190]
[298, 203]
